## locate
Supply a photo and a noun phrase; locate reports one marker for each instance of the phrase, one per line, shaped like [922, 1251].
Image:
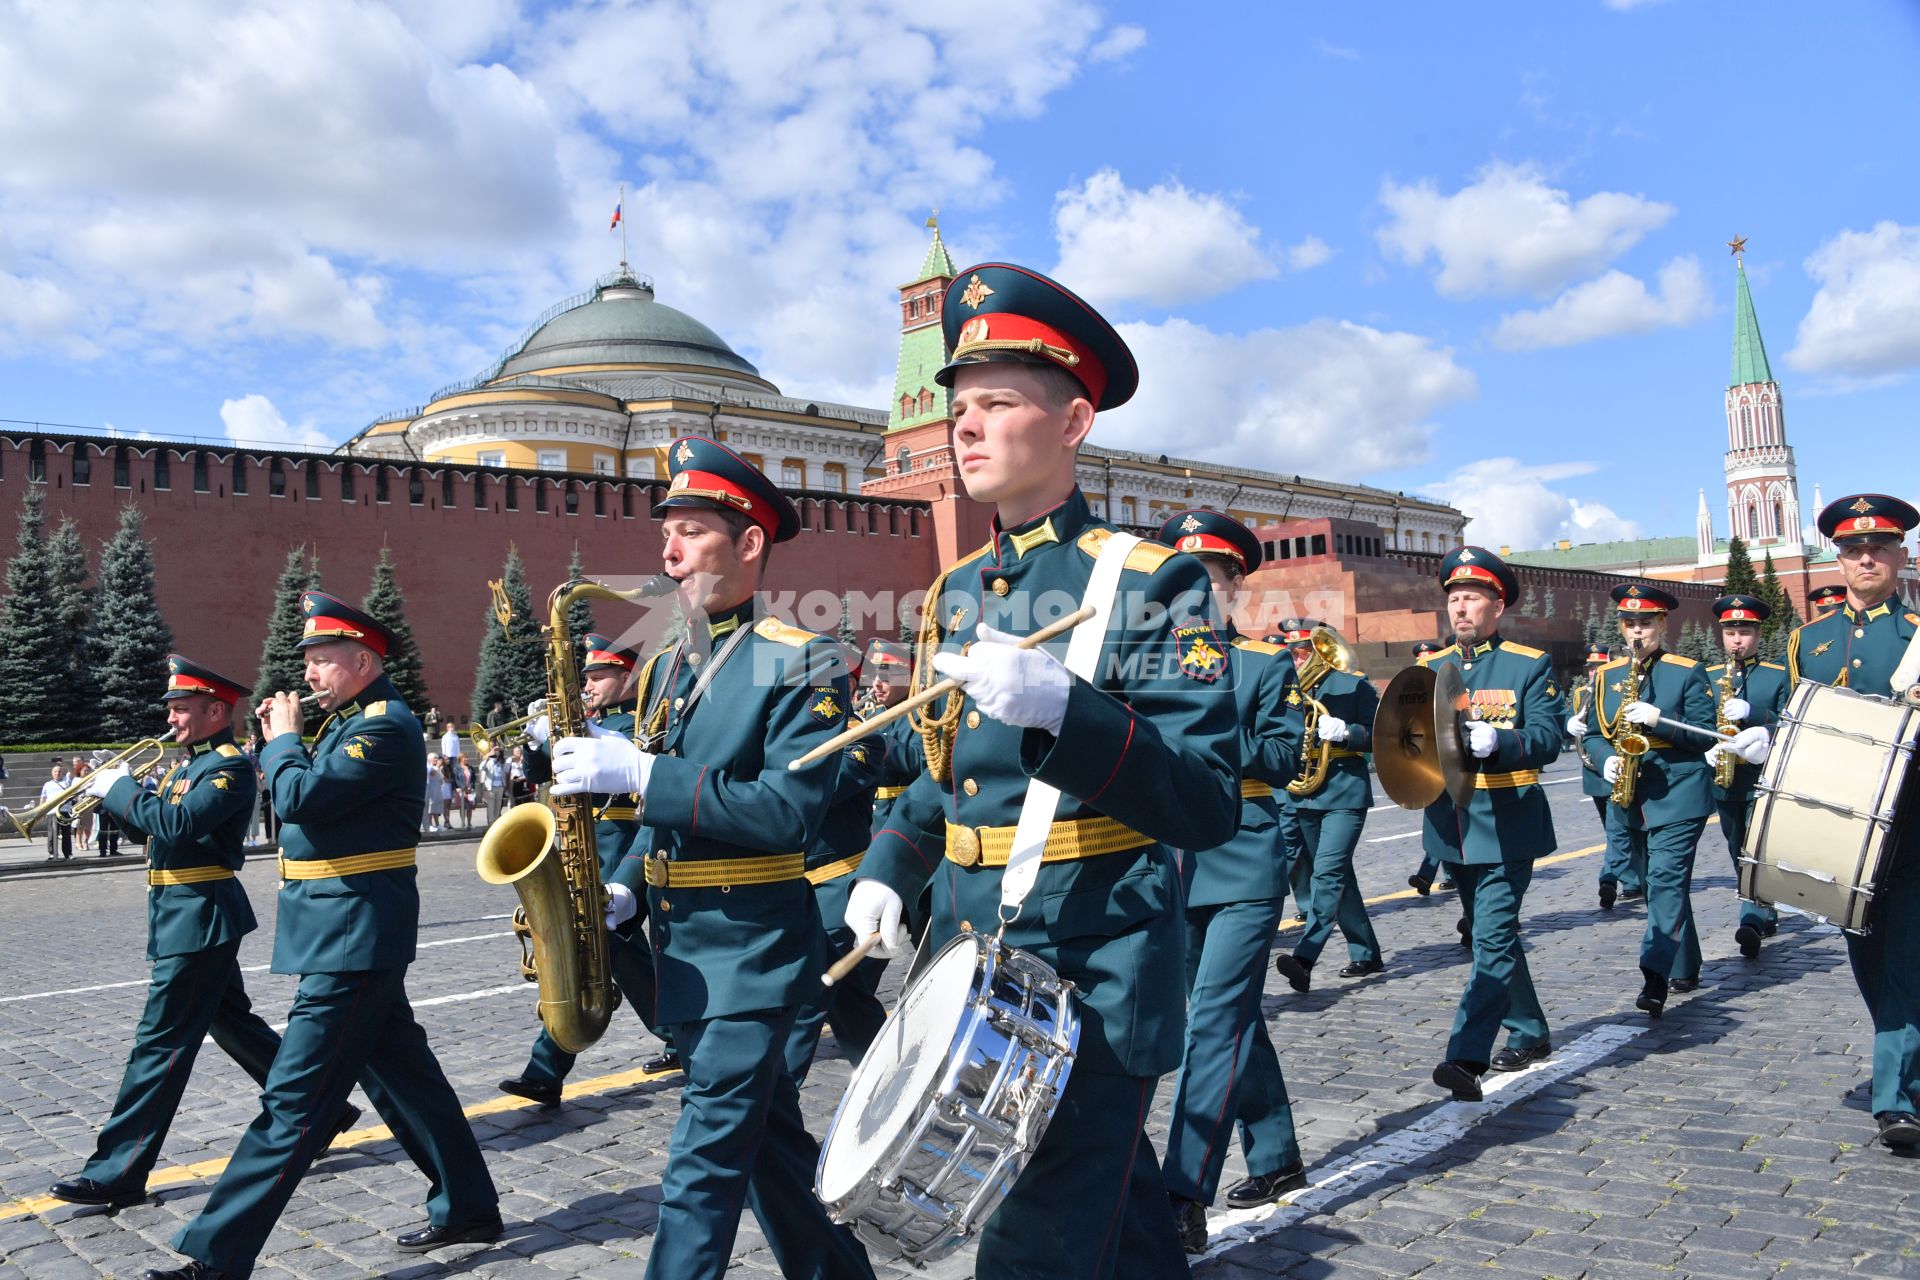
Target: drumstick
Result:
[1671, 725]
[845, 964]
[927, 695]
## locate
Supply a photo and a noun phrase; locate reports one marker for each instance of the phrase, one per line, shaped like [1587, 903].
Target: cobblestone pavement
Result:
[1729, 1139]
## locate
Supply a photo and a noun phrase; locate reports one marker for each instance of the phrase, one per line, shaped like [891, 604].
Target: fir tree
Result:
[1740, 577]
[282, 667]
[32, 644]
[130, 639]
[74, 691]
[580, 612]
[385, 604]
[1783, 619]
[512, 658]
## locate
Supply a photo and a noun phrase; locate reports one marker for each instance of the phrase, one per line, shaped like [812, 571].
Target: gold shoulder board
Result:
[1677, 660]
[1256, 646]
[1774, 666]
[1441, 653]
[1524, 650]
[966, 559]
[227, 749]
[1914, 618]
[774, 629]
[1617, 662]
[375, 709]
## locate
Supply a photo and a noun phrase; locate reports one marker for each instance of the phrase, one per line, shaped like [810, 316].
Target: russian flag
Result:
[616, 217]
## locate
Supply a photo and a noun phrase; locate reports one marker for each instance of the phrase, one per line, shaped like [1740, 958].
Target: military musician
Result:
[1822, 601]
[1623, 863]
[1750, 694]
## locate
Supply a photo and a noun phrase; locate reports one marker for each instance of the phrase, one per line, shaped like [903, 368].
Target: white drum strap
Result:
[1083, 654]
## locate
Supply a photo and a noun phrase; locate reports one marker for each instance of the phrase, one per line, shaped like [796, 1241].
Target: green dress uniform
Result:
[1491, 842]
[197, 912]
[1763, 687]
[1233, 895]
[1673, 795]
[1331, 819]
[616, 827]
[1859, 649]
[736, 934]
[1623, 863]
[348, 913]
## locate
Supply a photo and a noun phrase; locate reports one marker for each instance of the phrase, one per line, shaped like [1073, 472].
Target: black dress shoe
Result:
[1609, 891]
[195, 1270]
[1899, 1130]
[87, 1191]
[1458, 1079]
[544, 1092]
[1465, 931]
[1363, 968]
[1653, 997]
[1748, 938]
[1251, 1193]
[1512, 1059]
[1629, 895]
[1680, 986]
[1448, 884]
[1297, 972]
[479, 1231]
[1190, 1219]
[349, 1117]
[662, 1063]
[1420, 885]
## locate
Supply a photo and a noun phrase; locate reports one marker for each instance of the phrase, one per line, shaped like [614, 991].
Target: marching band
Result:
[1084, 844]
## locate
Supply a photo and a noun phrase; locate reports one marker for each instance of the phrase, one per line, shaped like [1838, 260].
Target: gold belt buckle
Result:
[656, 870]
[963, 846]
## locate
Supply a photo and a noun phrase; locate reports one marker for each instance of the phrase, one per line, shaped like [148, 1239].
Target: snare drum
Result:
[951, 1100]
[1829, 804]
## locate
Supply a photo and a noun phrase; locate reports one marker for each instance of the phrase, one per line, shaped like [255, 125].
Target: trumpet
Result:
[155, 751]
[506, 735]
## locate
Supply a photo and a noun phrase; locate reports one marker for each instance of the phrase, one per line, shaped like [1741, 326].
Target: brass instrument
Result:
[1723, 767]
[1419, 751]
[1330, 653]
[512, 733]
[1628, 742]
[84, 804]
[547, 852]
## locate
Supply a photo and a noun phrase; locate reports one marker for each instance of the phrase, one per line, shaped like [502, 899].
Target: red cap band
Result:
[1867, 524]
[1005, 331]
[341, 629]
[181, 683]
[1739, 615]
[1475, 574]
[1640, 604]
[1206, 544]
[706, 484]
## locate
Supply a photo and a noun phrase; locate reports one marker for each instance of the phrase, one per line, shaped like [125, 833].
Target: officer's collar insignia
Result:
[357, 745]
[717, 629]
[1200, 658]
[1861, 505]
[1466, 555]
[199, 748]
[1190, 524]
[1822, 647]
[825, 706]
[1485, 646]
[685, 455]
[976, 293]
[1025, 542]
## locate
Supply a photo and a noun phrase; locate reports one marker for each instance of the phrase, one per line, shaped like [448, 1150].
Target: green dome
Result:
[623, 325]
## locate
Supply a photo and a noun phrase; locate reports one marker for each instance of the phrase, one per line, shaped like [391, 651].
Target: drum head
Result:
[900, 1070]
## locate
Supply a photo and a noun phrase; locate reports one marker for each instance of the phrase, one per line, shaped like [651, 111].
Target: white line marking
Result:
[1383, 839]
[1432, 1132]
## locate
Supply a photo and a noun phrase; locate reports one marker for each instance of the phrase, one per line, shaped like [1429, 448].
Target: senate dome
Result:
[624, 327]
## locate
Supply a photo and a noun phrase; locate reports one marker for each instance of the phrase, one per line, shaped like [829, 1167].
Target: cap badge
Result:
[1633, 591]
[1862, 522]
[1190, 524]
[1861, 505]
[1466, 556]
[977, 292]
[685, 454]
[974, 330]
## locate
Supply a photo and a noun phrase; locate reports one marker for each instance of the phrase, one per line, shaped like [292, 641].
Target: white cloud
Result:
[252, 419]
[1510, 232]
[1613, 305]
[1865, 320]
[1328, 398]
[1327, 49]
[1164, 246]
[1308, 254]
[1117, 44]
[1511, 503]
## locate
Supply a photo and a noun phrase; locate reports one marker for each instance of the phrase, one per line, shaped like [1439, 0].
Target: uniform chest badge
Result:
[357, 745]
[221, 782]
[1497, 707]
[1818, 649]
[1293, 697]
[825, 706]
[1552, 691]
[1200, 657]
[1617, 685]
[179, 790]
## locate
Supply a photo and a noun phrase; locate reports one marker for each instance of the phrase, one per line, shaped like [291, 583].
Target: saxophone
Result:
[1723, 767]
[1330, 653]
[548, 853]
[1628, 742]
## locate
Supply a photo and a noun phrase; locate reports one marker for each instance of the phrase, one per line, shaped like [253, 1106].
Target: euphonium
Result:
[1723, 767]
[1628, 742]
[1330, 653]
[547, 852]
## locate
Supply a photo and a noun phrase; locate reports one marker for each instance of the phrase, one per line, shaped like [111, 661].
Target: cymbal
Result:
[1452, 708]
[1405, 754]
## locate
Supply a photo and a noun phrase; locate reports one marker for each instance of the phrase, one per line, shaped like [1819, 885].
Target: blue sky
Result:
[1473, 252]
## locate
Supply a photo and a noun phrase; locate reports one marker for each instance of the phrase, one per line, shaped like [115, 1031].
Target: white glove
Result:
[101, 781]
[1752, 745]
[610, 765]
[874, 908]
[1482, 738]
[1611, 769]
[539, 730]
[1026, 688]
[538, 707]
[1641, 713]
[1331, 729]
[1735, 709]
[1577, 725]
[1714, 753]
[622, 905]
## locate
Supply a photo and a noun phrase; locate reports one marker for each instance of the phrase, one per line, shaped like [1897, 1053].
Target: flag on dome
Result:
[616, 214]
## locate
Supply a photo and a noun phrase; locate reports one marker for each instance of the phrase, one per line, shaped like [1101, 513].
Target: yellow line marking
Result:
[178, 1174]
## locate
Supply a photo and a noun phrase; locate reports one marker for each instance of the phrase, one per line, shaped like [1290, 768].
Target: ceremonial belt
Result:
[888, 793]
[724, 873]
[834, 870]
[351, 865]
[1505, 781]
[1066, 842]
[1657, 744]
[617, 813]
[190, 875]
[1254, 789]
[1341, 753]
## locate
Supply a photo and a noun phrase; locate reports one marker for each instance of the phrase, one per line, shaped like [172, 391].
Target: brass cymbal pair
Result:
[1419, 738]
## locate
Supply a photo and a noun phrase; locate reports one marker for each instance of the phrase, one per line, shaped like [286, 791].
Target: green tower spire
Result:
[1749, 352]
[917, 398]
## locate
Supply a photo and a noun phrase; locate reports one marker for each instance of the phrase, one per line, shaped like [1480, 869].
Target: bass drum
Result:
[950, 1101]
[1828, 809]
